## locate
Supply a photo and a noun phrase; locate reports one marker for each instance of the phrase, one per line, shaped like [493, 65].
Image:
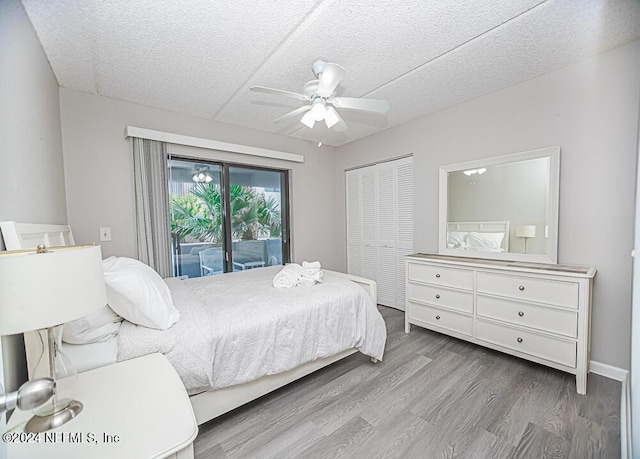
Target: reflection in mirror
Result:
[504, 208]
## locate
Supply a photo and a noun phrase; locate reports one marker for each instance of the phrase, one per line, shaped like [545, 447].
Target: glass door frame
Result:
[225, 193]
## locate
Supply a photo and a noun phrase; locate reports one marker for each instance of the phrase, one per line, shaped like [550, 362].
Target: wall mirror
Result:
[503, 208]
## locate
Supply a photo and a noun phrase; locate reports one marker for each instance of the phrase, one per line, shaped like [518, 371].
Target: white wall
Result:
[589, 109]
[31, 176]
[633, 433]
[98, 166]
[31, 171]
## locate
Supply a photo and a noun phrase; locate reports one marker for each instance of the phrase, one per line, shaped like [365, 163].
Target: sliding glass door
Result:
[226, 217]
[258, 213]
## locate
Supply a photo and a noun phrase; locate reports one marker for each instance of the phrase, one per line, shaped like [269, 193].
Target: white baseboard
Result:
[626, 446]
[609, 371]
[622, 375]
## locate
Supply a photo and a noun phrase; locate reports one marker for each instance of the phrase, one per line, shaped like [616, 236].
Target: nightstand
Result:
[138, 408]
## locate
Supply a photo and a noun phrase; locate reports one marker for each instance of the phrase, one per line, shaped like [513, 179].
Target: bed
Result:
[483, 236]
[222, 381]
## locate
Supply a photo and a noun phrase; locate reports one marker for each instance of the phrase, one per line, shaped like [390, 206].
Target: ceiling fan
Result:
[321, 99]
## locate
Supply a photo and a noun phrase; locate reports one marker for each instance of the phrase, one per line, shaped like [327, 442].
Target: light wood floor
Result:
[432, 397]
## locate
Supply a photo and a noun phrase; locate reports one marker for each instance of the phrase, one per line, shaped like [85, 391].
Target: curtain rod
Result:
[180, 139]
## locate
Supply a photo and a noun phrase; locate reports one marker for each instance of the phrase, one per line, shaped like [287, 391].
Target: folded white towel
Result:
[311, 265]
[293, 275]
[288, 276]
[314, 276]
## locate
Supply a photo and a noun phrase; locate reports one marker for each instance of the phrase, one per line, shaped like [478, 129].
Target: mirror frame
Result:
[553, 153]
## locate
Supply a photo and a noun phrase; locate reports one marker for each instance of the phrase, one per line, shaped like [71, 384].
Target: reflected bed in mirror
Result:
[503, 208]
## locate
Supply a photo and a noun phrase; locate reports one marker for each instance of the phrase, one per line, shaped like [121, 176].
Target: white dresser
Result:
[534, 311]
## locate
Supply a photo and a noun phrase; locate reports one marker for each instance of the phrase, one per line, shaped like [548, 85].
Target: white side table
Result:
[138, 408]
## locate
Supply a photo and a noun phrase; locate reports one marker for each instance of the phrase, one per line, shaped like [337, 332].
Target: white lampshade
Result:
[331, 118]
[318, 109]
[526, 231]
[41, 290]
[308, 119]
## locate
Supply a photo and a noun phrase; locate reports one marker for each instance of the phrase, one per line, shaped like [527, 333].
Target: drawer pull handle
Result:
[521, 314]
[437, 317]
[521, 287]
[438, 276]
[437, 296]
[519, 339]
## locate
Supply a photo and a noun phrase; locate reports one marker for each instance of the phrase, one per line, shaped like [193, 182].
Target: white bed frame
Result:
[207, 405]
[483, 227]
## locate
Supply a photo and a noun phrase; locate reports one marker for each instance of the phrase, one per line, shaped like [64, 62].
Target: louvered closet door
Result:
[369, 222]
[354, 223]
[386, 234]
[404, 234]
[380, 226]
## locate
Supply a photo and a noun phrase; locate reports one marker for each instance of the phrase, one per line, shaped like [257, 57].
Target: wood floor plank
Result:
[432, 396]
[342, 442]
[485, 445]
[539, 443]
[243, 421]
[394, 440]
[527, 400]
[212, 452]
[318, 379]
[589, 440]
[286, 415]
[406, 395]
[335, 415]
[458, 379]
[289, 444]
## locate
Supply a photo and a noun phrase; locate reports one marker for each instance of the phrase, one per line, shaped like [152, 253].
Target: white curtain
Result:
[152, 204]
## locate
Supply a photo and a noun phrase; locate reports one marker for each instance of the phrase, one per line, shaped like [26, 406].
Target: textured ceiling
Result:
[200, 57]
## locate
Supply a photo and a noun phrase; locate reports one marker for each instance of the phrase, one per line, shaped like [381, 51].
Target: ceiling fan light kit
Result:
[331, 117]
[321, 101]
[318, 109]
[308, 120]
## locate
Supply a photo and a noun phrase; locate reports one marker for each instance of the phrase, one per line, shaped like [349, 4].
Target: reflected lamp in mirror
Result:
[42, 289]
[525, 232]
[494, 196]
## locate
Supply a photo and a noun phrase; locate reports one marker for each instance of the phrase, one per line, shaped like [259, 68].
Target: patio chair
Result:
[211, 262]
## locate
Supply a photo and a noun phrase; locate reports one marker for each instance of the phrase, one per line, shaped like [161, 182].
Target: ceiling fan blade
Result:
[355, 103]
[341, 126]
[329, 79]
[279, 92]
[292, 114]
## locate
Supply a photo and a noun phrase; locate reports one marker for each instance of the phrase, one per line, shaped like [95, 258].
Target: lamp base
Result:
[42, 423]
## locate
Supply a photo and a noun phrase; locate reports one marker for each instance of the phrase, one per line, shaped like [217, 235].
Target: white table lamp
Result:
[526, 232]
[45, 288]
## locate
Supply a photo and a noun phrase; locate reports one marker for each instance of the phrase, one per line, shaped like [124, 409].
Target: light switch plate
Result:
[105, 234]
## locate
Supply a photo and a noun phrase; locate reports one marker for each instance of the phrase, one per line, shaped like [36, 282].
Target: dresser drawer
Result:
[447, 277]
[558, 293]
[450, 320]
[444, 297]
[558, 321]
[545, 347]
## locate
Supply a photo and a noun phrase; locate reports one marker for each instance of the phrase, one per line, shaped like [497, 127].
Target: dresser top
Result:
[569, 270]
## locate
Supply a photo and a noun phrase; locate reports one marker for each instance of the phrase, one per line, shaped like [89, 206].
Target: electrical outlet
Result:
[105, 234]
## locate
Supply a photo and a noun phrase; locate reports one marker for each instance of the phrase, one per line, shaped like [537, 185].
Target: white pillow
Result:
[99, 326]
[137, 293]
[485, 240]
[457, 239]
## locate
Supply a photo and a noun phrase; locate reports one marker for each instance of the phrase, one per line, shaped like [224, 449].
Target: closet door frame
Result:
[368, 237]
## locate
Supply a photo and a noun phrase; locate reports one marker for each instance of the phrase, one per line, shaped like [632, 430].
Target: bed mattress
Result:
[236, 327]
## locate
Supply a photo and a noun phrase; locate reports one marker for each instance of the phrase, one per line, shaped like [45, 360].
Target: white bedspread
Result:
[236, 327]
